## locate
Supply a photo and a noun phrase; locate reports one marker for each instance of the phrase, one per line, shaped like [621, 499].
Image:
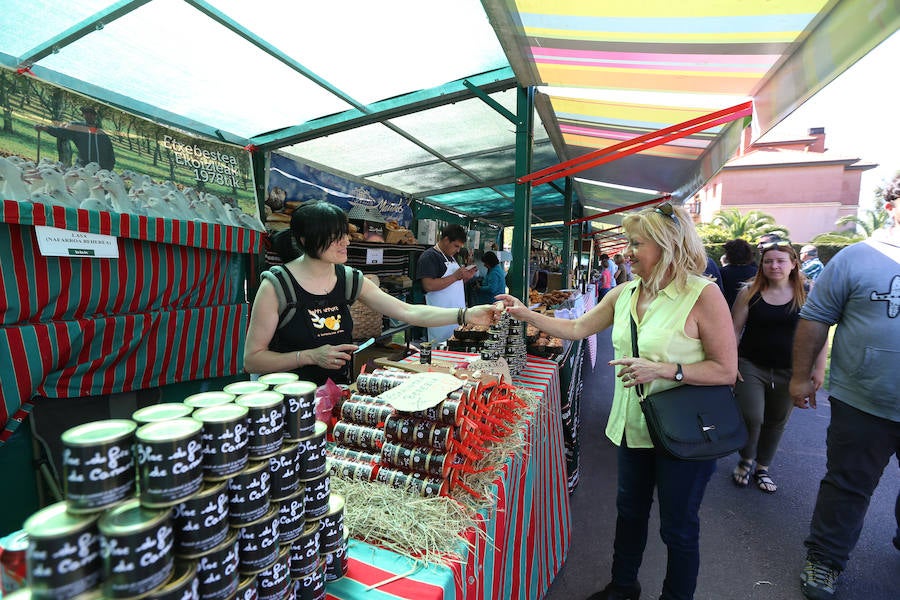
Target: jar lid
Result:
[273, 379]
[208, 399]
[296, 388]
[245, 387]
[161, 412]
[53, 521]
[218, 414]
[131, 517]
[97, 432]
[175, 429]
[259, 399]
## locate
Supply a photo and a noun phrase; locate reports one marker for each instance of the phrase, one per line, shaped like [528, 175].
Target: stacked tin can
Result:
[410, 450]
[515, 349]
[206, 499]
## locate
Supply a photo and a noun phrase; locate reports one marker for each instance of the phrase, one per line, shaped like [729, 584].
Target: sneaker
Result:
[818, 581]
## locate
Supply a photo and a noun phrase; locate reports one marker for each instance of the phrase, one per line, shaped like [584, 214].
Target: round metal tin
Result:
[305, 551]
[283, 469]
[274, 379]
[212, 398]
[247, 588]
[98, 465]
[316, 497]
[182, 585]
[336, 563]
[311, 453]
[258, 542]
[161, 412]
[53, 570]
[245, 387]
[265, 422]
[226, 435]
[312, 585]
[273, 582]
[331, 525]
[299, 405]
[136, 548]
[217, 570]
[248, 493]
[170, 461]
[201, 521]
[291, 517]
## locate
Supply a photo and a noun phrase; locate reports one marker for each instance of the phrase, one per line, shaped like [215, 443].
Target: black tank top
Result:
[318, 320]
[768, 336]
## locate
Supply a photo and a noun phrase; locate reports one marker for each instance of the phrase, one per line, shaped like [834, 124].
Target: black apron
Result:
[318, 320]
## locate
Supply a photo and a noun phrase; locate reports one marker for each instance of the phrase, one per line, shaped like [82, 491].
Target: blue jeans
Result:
[859, 447]
[680, 485]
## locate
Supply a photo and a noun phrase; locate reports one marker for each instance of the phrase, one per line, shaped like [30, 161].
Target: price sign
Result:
[421, 391]
[374, 256]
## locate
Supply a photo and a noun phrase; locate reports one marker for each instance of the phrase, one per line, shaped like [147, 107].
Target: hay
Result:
[432, 530]
[425, 530]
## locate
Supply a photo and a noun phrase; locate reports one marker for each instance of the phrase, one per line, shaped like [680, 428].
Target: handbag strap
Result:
[634, 346]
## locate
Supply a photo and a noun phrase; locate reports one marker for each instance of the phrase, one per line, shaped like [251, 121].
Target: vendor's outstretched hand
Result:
[514, 307]
[332, 357]
[484, 314]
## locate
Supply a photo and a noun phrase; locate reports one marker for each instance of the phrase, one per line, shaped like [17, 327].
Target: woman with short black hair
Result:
[494, 281]
[316, 342]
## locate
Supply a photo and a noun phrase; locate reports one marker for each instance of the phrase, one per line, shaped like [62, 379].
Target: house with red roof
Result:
[799, 182]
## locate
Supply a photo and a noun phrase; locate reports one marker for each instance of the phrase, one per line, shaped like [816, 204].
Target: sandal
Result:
[741, 473]
[764, 482]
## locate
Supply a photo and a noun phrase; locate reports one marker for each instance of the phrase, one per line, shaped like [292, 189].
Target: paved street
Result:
[751, 542]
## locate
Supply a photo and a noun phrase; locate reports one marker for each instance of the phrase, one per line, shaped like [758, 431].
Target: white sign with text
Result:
[53, 241]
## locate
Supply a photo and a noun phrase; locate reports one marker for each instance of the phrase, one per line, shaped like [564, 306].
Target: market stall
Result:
[527, 532]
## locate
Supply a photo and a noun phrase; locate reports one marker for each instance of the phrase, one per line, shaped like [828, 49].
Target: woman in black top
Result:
[765, 317]
[738, 268]
[316, 342]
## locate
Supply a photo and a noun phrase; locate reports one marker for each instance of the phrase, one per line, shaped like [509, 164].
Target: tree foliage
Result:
[749, 226]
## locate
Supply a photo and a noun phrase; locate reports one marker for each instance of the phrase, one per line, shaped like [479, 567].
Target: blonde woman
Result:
[765, 315]
[684, 336]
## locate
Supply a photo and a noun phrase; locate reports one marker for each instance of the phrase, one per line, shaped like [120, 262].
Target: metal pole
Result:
[521, 242]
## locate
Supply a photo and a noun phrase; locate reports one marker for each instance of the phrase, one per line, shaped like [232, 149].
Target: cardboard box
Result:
[427, 231]
[554, 281]
[400, 236]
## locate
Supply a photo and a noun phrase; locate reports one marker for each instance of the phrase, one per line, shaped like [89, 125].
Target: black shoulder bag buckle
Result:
[692, 422]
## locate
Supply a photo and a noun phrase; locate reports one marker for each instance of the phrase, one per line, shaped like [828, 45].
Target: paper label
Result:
[374, 256]
[421, 391]
[53, 241]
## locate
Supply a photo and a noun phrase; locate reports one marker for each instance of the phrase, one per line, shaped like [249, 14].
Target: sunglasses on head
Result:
[667, 210]
[775, 244]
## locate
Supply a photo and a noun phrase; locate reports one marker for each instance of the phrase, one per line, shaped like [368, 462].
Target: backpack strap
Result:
[284, 291]
[352, 283]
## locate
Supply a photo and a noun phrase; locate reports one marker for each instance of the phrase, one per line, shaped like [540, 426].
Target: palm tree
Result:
[870, 222]
[751, 226]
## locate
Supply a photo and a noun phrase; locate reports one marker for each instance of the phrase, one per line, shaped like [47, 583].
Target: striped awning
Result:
[612, 71]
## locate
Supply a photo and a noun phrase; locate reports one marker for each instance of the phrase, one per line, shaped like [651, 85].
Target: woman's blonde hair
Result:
[796, 277]
[682, 250]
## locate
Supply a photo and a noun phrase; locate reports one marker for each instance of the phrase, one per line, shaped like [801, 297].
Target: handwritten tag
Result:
[421, 391]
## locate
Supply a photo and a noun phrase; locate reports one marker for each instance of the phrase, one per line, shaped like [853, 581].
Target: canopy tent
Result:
[410, 96]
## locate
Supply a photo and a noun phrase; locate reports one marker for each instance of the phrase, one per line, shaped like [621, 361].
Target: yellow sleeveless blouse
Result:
[661, 338]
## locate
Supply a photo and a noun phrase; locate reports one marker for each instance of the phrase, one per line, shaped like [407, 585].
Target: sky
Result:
[859, 113]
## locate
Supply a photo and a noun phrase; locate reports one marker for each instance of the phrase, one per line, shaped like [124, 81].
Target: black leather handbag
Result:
[692, 422]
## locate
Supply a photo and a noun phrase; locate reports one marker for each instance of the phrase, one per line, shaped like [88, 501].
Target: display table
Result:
[528, 530]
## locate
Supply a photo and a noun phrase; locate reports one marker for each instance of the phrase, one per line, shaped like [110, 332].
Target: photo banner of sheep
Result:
[61, 149]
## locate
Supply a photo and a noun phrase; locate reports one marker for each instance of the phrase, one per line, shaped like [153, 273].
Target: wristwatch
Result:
[679, 374]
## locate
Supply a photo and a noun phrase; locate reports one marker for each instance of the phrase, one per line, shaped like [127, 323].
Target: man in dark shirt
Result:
[92, 142]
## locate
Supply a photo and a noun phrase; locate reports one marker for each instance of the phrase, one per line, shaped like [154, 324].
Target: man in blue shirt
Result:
[809, 262]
